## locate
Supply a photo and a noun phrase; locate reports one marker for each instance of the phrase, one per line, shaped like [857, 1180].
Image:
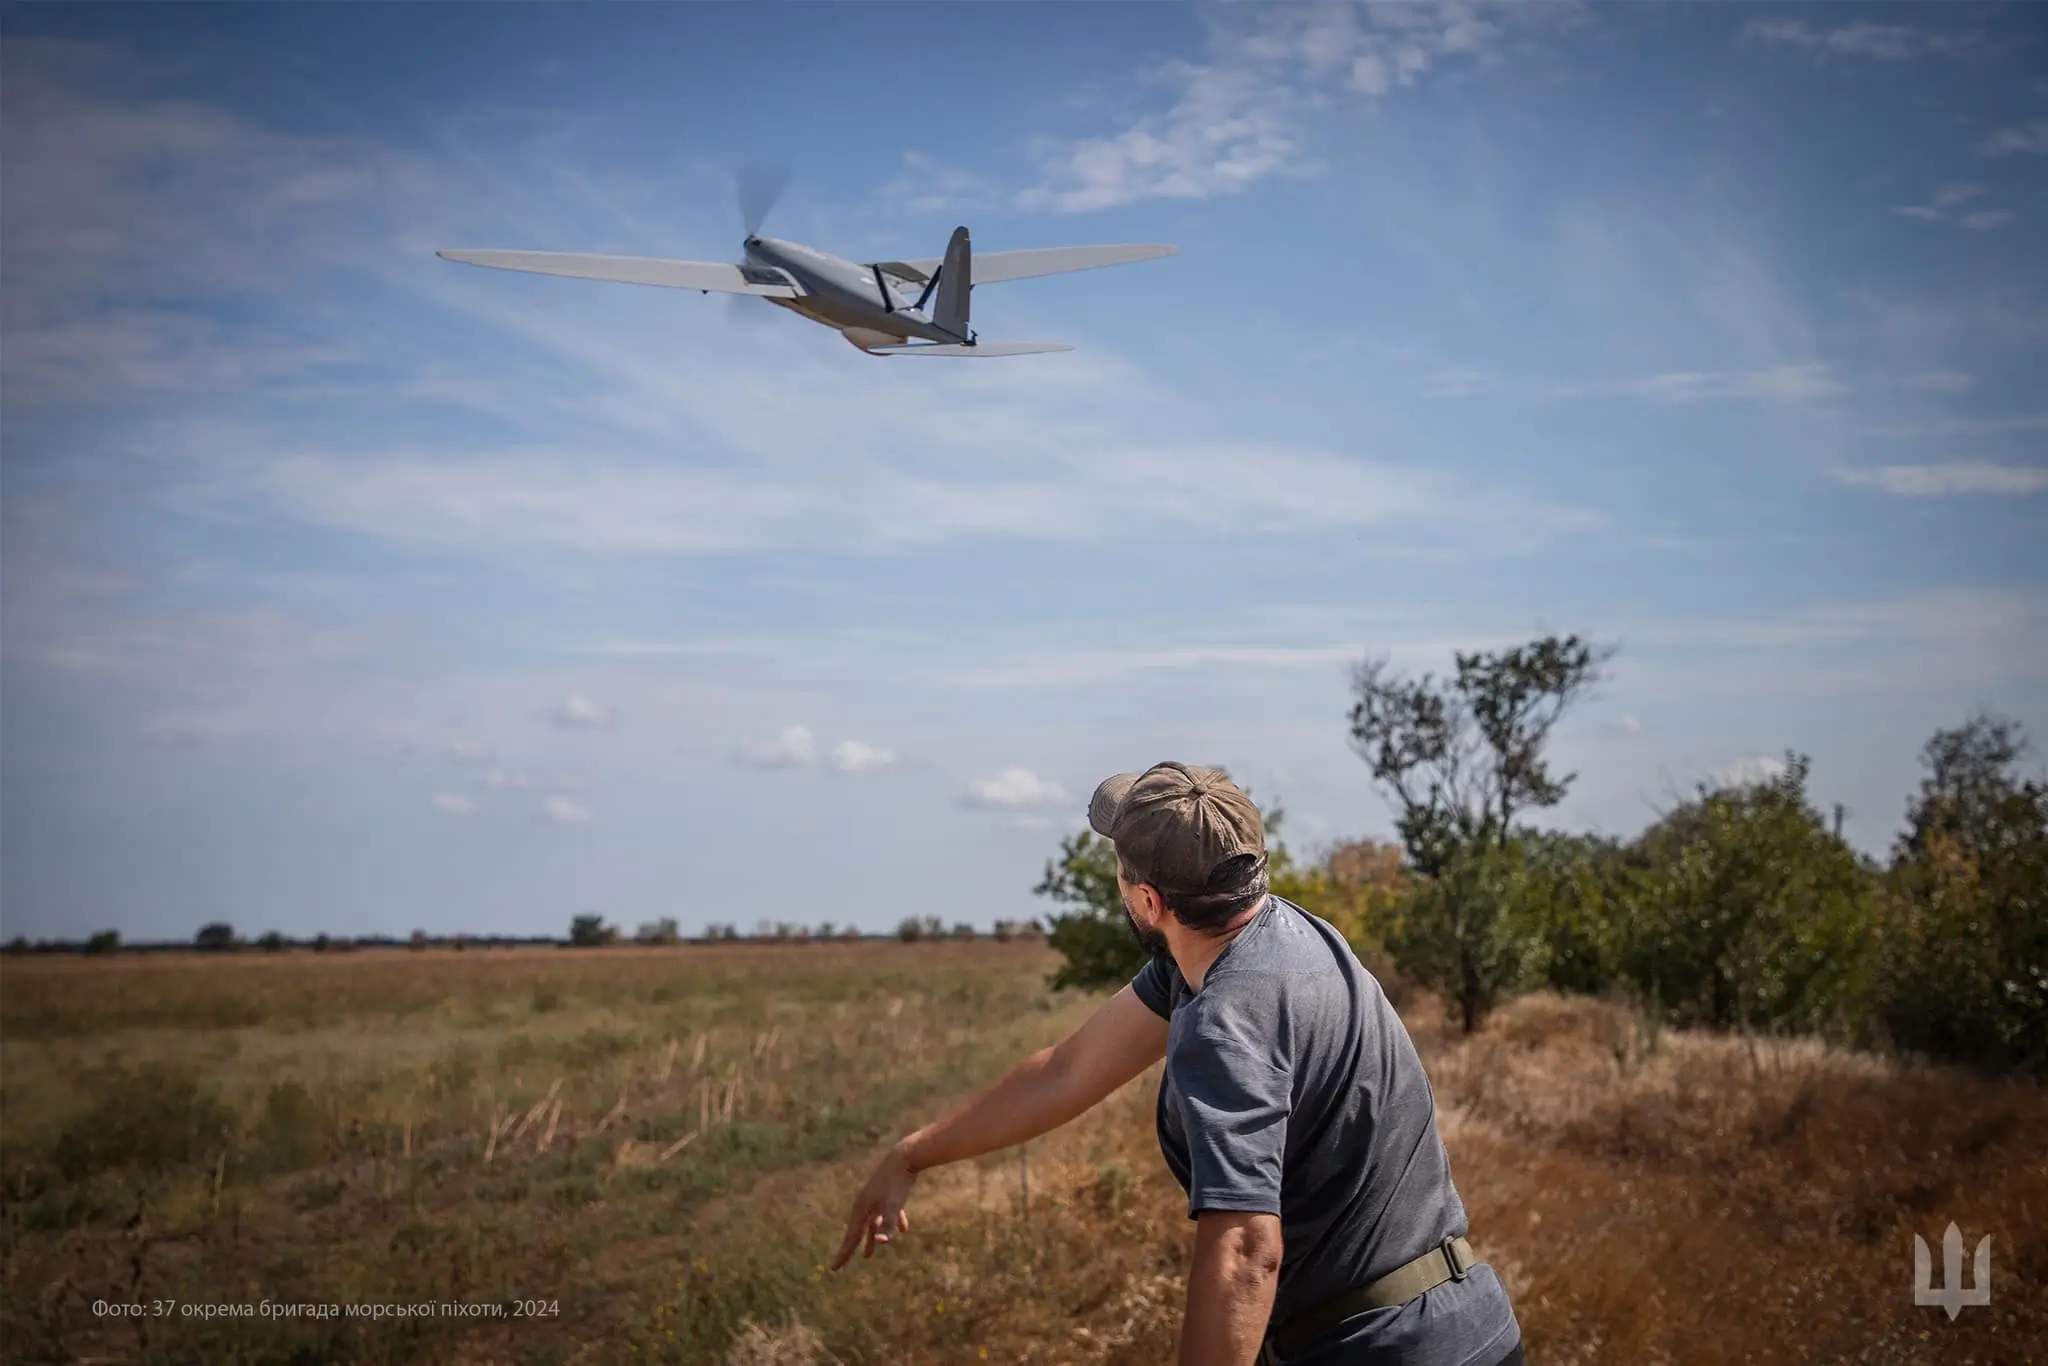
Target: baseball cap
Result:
[1174, 823]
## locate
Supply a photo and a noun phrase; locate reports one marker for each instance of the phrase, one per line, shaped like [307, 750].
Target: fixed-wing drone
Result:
[870, 305]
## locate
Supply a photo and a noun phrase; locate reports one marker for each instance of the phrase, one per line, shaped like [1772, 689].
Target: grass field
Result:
[651, 1151]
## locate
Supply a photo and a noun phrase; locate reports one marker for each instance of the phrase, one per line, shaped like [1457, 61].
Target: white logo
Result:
[1951, 1296]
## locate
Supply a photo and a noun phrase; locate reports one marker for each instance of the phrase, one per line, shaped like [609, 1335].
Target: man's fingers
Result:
[856, 1227]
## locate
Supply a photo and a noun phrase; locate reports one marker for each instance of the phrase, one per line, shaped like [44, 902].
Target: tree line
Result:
[1741, 908]
[585, 931]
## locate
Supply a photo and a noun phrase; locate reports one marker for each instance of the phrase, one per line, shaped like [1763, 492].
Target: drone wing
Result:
[992, 267]
[637, 270]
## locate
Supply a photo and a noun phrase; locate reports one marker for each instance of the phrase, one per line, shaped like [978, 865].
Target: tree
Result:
[1094, 938]
[1963, 962]
[1462, 757]
[910, 929]
[659, 932]
[1466, 932]
[590, 931]
[106, 941]
[963, 930]
[271, 942]
[1742, 908]
[215, 937]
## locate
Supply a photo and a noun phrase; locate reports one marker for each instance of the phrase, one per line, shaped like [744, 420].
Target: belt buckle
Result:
[1458, 1268]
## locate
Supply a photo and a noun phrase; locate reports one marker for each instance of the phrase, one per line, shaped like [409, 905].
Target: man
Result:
[1293, 1111]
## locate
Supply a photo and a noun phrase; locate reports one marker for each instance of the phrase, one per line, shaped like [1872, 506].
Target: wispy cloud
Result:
[1958, 477]
[1237, 117]
[1802, 383]
[2026, 139]
[1012, 788]
[1862, 39]
[925, 185]
[795, 747]
[1070, 668]
[454, 803]
[563, 811]
[857, 756]
[115, 196]
[1941, 382]
[1943, 206]
[577, 712]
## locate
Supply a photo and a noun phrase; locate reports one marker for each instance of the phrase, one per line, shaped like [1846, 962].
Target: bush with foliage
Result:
[1962, 962]
[590, 931]
[1740, 908]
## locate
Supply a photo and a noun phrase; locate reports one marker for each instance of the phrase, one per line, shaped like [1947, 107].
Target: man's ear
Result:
[1152, 903]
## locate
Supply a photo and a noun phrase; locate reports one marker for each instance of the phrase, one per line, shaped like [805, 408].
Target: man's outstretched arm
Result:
[1230, 1288]
[1036, 1096]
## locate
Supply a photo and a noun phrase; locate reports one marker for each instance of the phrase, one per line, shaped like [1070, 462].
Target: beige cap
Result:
[1176, 822]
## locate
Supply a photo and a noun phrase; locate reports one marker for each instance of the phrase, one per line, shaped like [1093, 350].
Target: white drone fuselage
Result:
[870, 305]
[862, 302]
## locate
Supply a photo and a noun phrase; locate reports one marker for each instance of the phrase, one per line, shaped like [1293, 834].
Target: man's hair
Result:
[1235, 886]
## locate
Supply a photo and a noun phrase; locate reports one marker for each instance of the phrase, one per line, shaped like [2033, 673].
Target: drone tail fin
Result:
[955, 281]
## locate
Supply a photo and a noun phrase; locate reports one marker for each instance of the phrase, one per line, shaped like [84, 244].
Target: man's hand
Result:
[878, 1209]
[1230, 1288]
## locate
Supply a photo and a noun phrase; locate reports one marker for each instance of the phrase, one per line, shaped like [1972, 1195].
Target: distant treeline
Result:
[585, 931]
[1741, 908]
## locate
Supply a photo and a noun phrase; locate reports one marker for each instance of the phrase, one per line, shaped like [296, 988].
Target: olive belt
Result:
[1448, 1261]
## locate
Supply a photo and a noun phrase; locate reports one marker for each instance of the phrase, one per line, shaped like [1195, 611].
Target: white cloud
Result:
[1937, 208]
[1071, 667]
[1777, 384]
[1874, 42]
[1749, 772]
[1236, 118]
[1081, 487]
[1941, 382]
[1627, 725]
[2028, 139]
[926, 186]
[1014, 787]
[470, 753]
[580, 712]
[795, 747]
[1957, 477]
[562, 811]
[857, 756]
[454, 803]
[114, 224]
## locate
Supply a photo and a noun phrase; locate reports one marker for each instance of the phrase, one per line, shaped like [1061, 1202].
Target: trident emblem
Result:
[1951, 1296]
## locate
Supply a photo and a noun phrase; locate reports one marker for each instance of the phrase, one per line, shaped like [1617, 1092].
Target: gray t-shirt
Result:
[1292, 1088]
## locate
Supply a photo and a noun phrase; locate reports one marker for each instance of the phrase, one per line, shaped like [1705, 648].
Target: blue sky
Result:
[349, 589]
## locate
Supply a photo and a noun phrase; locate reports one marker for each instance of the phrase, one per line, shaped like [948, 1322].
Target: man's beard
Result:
[1152, 942]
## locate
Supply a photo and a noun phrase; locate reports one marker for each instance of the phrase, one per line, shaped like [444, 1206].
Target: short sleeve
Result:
[1235, 1101]
[1154, 986]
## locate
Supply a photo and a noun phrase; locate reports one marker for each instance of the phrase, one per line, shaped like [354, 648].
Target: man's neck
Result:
[1195, 952]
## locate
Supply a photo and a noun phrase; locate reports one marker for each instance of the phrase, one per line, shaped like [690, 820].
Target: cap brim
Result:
[1107, 804]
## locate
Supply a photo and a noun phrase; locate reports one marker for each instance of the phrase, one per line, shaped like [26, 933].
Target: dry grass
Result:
[677, 1134]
